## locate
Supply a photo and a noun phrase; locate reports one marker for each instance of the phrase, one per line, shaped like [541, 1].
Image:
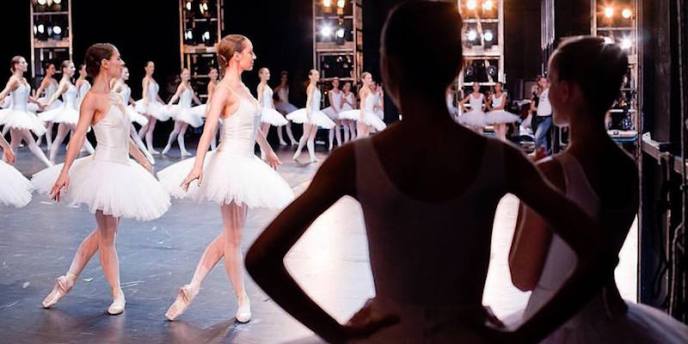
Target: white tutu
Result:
[154, 108]
[15, 190]
[473, 118]
[186, 115]
[230, 178]
[66, 115]
[317, 117]
[369, 118]
[135, 116]
[285, 107]
[199, 110]
[272, 117]
[329, 111]
[500, 117]
[117, 189]
[17, 119]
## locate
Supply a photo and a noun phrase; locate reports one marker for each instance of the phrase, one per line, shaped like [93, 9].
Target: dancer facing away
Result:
[311, 117]
[66, 115]
[18, 119]
[15, 190]
[335, 96]
[269, 116]
[585, 76]
[182, 113]
[232, 176]
[108, 182]
[283, 105]
[429, 205]
[151, 105]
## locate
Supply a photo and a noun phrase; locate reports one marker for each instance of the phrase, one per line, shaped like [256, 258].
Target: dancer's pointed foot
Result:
[166, 149]
[243, 314]
[294, 143]
[118, 304]
[313, 160]
[62, 286]
[185, 295]
[282, 143]
[152, 150]
[185, 154]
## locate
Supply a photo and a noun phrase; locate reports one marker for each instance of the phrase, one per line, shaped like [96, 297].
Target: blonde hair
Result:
[229, 45]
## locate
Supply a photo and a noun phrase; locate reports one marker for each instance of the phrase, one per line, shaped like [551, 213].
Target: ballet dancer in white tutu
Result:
[474, 117]
[17, 118]
[66, 115]
[120, 87]
[335, 96]
[497, 116]
[15, 189]
[201, 110]
[231, 176]
[586, 75]
[82, 84]
[365, 117]
[151, 106]
[348, 103]
[311, 117]
[283, 105]
[45, 90]
[109, 183]
[269, 116]
[182, 113]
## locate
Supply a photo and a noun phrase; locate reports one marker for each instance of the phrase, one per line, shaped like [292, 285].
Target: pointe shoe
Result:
[282, 143]
[296, 156]
[117, 306]
[294, 143]
[185, 153]
[164, 151]
[243, 314]
[61, 288]
[185, 295]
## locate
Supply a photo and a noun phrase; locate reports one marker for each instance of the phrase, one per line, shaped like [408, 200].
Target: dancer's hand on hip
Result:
[195, 174]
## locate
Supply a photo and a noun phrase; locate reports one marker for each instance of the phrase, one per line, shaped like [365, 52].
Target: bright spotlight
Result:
[206, 36]
[488, 5]
[627, 13]
[327, 3]
[340, 32]
[626, 43]
[57, 2]
[326, 30]
[42, 2]
[471, 4]
[609, 11]
[57, 30]
[341, 3]
[488, 36]
[472, 35]
[188, 5]
[41, 28]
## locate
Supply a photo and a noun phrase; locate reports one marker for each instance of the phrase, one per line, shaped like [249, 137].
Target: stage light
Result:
[488, 5]
[472, 35]
[206, 36]
[471, 4]
[57, 30]
[608, 40]
[57, 2]
[488, 36]
[326, 30]
[609, 11]
[492, 71]
[626, 13]
[188, 35]
[341, 3]
[41, 28]
[626, 43]
[327, 3]
[188, 6]
[42, 2]
[340, 32]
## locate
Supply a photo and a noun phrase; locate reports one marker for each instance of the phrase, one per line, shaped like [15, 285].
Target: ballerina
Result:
[269, 116]
[17, 118]
[311, 117]
[15, 189]
[231, 176]
[151, 106]
[428, 283]
[120, 87]
[45, 90]
[475, 117]
[348, 103]
[109, 182]
[365, 117]
[283, 105]
[586, 75]
[335, 96]
[498, 117]
[182, 113]
[201, 110]
[67, 115]
[82, 84]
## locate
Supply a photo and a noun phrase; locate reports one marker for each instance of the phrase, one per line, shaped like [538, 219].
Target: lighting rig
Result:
[51, 33]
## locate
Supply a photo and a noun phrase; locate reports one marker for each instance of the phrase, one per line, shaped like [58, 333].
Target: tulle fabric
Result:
[329, 111]
[368, 118]
[186, 115]
[153, 108]
[118, 189]
[317, 117]
[18, 119]
[136, 117]
[473, 118]
[500, 117]
[15, 190]
[272, 117]
[230, 178]
[66, 115]
[285, 107]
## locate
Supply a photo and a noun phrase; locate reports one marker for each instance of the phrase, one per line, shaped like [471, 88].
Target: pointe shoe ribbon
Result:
[185, 295]
[60, 289]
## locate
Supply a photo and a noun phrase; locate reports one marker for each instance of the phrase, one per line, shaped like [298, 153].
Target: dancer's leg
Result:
[33, 147]
[172, 137]
[234, 218]
[62, 131]
[149, 134]
[180, 139]
[313, 131]
[107, 235]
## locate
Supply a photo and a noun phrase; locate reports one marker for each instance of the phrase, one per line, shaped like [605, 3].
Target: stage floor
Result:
[156, 258]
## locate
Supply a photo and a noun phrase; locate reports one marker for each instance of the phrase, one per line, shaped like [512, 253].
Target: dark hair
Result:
[428, 31]
[48, 64]
[95, 54]
[229, 45]
[15, 61]
[596, 66]
[65, 64]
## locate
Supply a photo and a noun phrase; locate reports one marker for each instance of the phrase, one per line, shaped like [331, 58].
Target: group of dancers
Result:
[428, 203]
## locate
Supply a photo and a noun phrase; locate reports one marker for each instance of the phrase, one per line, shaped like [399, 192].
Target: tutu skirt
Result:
[66, 115]
[135, 116]
[317, 117]
[154, 108]
[473, 119]
[15, 190]
[368, 118]
[119, 189]
[199, 110]
[186, 115]
[18, 119]
[230, 178]
[500, 117]
[329, 111]
[272, 117]
[284, 107]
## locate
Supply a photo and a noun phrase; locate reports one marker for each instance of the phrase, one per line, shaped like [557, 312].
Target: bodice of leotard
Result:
[315, 99]
[336, 99]
[370, 102]
[50, 89]
[112, 133]
[83, 89]
[153, 89]
[239, 129]
[125, 93]
[425, 254]
[496, 101]
[476, 103]
[69, 96]
[283, 94]
[267, 98]
[348, 105]
[20, 97]
[185, 98]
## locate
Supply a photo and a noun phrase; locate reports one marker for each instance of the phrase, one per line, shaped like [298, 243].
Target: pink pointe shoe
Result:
[61, 288]
[185, 295]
